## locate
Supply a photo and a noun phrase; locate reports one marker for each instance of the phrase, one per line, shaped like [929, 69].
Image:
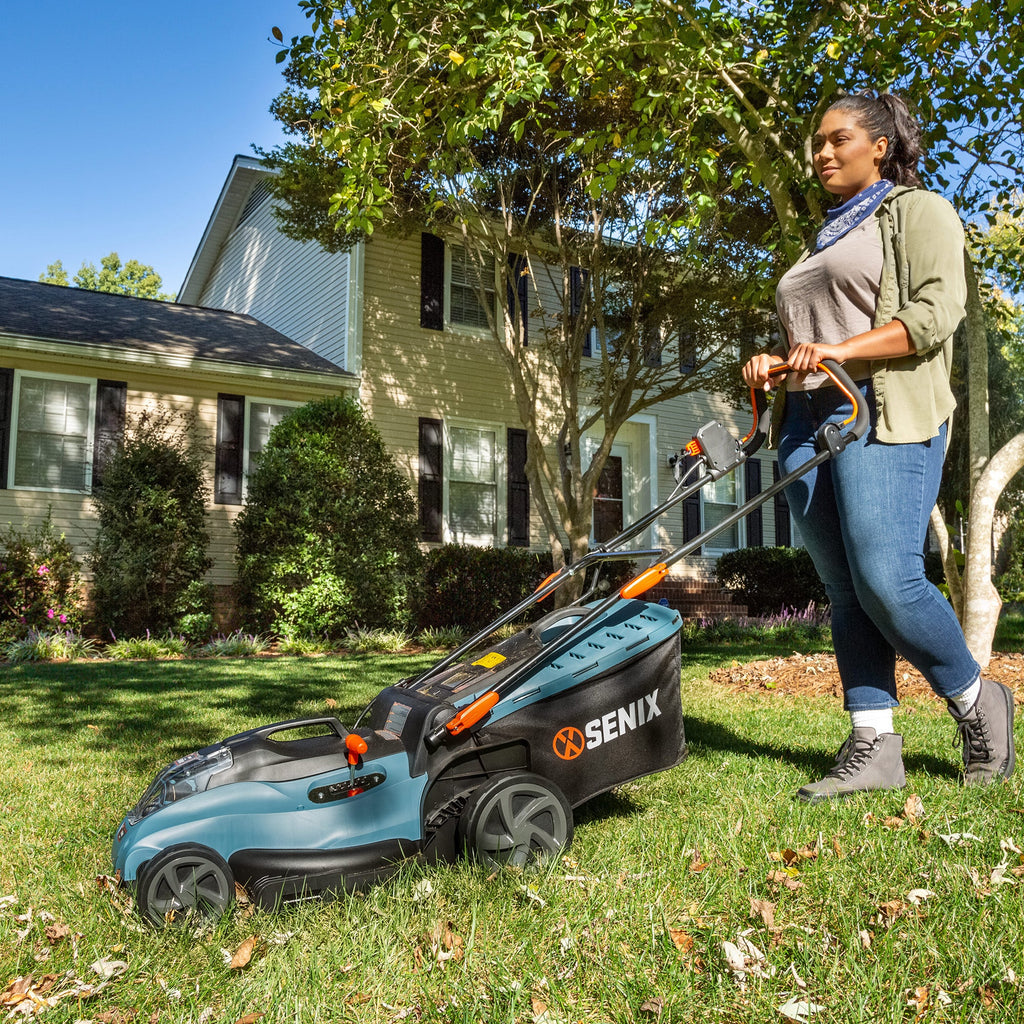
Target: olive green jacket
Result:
[923, 286]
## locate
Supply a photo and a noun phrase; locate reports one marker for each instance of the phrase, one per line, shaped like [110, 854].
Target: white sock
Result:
[879, 719]
[968, 698]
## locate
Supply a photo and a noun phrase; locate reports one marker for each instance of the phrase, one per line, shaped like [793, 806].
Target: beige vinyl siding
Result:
[457, 375]
[295, 287]
[194, 392]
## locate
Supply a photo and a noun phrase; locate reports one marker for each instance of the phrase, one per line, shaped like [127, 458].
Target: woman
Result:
[880, 290]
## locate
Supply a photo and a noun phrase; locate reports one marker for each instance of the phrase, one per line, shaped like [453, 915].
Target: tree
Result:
[517, 131]
[616, 136]
[131, 278]
[327, 537]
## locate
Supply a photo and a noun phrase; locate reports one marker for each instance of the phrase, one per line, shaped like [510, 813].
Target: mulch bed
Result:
[816, 675]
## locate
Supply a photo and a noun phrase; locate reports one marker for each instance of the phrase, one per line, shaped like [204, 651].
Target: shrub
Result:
[39, 580]
[769, 580]
[149, 556]
[440, 638]
[368, 641]
[466, 587]
[327, 540]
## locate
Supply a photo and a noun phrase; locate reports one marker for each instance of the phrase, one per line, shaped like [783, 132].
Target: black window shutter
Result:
[518, 490]
[518, 289]
[227, 488]
[755, 526]
[111, 400]
[687, 351]
[783, 537]
[6, 394]
[431, 476]
[431, 282]
[577, 292]
[691, 505]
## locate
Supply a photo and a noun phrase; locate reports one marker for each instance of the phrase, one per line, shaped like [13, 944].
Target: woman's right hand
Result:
[755, 372]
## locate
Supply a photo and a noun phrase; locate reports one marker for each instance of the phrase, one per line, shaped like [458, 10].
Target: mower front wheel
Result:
[183, 878]
[517, 819]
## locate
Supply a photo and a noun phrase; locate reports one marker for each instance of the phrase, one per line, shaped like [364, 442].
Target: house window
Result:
[608, 506]
[465, 278]
[473, 480]
[719, 498]
[263, 417]
[53, 435]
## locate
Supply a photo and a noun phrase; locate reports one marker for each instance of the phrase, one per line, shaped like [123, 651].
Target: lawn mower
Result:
[485, 753]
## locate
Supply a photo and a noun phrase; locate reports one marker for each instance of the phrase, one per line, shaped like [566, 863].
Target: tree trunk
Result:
[954, 580]
[981, 600]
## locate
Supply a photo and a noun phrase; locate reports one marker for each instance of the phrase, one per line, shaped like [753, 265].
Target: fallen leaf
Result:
[865, 938]
[913, 809]
[683, 942]
[653, 1007]
[890, 912]
[244, 954]
[331, 702]
[56, 933]
[249, 1018]
[918, 896]
[799, 1009]
[764, 910]
[785, 879]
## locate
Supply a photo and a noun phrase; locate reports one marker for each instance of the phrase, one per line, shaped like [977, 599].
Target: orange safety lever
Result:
[356, 747]
[472, 713]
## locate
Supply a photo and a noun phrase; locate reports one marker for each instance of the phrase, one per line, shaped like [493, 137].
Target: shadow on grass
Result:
[703, 734]
[180, 706]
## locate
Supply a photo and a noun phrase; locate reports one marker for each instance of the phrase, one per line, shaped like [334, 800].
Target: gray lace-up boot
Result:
[865, 761]
[986, 732]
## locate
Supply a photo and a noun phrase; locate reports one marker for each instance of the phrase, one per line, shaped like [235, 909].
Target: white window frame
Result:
[500, 481]
[19, 376]
[476, 329]
[247, 430]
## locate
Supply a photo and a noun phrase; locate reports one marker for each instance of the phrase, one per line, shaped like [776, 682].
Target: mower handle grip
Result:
[860, 417]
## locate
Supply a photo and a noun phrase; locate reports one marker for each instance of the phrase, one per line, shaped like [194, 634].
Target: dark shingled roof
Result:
[34, 310]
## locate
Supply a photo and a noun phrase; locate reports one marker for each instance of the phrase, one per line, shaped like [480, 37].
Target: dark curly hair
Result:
[887, 115]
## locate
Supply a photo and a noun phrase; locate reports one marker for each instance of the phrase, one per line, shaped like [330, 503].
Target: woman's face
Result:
[845, 158]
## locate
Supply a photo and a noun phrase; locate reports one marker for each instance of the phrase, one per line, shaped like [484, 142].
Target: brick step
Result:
[697, 598]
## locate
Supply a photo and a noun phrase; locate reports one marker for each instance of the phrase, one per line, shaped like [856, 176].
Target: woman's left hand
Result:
[804, 358]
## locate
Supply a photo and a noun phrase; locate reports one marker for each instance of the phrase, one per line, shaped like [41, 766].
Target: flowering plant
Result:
[40, 579]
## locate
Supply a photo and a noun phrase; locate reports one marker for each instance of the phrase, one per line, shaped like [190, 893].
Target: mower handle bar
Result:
[830, 440]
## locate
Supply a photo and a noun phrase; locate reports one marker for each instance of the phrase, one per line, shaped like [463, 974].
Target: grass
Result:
[628, 926]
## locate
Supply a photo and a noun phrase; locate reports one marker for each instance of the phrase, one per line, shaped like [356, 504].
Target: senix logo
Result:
[569, 742]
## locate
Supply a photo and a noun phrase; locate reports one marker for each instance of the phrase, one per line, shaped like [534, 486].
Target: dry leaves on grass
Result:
[29, 995]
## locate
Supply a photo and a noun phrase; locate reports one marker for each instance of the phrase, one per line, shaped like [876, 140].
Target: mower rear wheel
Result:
[183, 878]
[519, 819]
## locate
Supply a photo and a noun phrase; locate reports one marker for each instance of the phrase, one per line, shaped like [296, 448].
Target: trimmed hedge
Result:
[768, 580]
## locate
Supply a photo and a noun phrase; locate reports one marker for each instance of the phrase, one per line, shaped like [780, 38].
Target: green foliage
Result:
[441, 638]
[39, 579]
[149, 556]
[131, 278]
[146, 648]
[466, 587]
[59, 645]
[770, 580]
[235, 645]
[327, 538]
[376, 641]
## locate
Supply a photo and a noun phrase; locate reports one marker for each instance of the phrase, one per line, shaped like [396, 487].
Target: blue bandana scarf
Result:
[840, 220]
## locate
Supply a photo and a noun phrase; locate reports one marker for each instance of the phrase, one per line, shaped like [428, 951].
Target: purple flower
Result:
[43, 570]
[49, 613]
[63, 618]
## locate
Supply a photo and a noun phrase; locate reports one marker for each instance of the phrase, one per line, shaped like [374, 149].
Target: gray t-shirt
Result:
[831, 296]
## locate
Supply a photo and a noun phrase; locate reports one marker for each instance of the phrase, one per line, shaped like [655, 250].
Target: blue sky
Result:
[119, 120]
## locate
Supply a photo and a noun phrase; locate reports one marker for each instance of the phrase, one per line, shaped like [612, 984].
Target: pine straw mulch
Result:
[816, 675]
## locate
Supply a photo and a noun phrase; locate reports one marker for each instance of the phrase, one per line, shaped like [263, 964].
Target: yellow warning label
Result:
[490, 660]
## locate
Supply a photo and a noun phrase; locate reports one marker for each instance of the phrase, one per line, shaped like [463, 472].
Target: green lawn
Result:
[856, 908]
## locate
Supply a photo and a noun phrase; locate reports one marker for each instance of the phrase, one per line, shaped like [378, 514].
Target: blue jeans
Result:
[863, 517]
